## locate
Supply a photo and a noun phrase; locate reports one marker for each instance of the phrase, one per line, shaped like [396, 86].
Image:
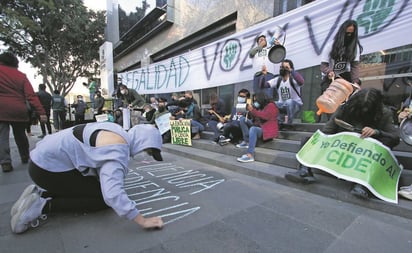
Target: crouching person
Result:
[82, 169]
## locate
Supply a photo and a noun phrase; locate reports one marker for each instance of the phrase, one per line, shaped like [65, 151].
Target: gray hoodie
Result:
[62, 151]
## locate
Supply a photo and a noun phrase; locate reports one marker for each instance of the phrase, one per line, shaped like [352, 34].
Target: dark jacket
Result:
[45, 100]
[388, 134]
[133, 98]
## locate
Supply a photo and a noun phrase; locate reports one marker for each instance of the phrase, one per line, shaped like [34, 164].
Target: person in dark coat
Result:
[46, 101]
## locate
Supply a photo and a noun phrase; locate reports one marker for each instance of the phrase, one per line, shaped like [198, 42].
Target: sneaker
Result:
[406, 192]
[19, 203]
[7, 167]
[245, 159]
[29, 214]
[303, 175]
[243, 144]
[360, 191]
[409, 187]
[223, 139]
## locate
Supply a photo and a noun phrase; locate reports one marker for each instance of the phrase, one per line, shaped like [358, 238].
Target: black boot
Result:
[303, 175]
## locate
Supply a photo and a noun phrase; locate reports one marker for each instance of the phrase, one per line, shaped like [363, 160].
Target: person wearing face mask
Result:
[130, 97]
[231, 130]
[341, 57]
[288, 85]
[80, 108]
[265, 125]
[98, 103]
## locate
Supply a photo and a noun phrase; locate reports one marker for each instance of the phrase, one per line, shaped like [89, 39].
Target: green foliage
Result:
[61, 38]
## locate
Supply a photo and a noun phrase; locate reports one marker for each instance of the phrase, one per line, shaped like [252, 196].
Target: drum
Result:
[405, 130]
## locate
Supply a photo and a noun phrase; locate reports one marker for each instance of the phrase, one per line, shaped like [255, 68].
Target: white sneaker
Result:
[406, 193]
[29, 189]
[223, 139]
[245, 159]
[29, 213]
[243, 144]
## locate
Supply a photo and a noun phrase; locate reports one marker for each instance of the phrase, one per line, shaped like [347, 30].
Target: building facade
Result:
[203, 45]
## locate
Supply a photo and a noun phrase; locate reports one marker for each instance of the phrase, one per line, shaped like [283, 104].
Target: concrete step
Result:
[326, 185]
[290, 137]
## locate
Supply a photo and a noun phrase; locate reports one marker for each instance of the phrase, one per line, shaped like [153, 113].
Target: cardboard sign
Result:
[181, 132]
[163, 122]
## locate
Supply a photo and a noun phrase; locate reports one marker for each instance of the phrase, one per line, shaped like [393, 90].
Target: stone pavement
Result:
[207, 209]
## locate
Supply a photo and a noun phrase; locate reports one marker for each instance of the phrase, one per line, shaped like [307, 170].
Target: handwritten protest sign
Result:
[364, 161]
[181, 132]
[162, 122]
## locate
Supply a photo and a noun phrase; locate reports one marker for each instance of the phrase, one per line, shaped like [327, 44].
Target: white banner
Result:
[382, 25]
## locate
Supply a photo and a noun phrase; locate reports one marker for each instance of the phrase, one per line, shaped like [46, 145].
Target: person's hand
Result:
[43, 118]
[368, 132]
[331, 75]
[249, 107]
[153, 222]
[403, 114]
[277, 42]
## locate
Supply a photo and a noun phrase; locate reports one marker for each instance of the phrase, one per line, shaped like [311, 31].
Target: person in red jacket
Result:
[15, 91]
[265, 125]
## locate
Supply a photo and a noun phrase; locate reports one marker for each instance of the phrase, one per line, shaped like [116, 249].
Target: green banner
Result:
[364, 161]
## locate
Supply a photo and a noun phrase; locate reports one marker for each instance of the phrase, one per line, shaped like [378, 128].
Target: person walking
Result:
[46, 101]
[15, 90]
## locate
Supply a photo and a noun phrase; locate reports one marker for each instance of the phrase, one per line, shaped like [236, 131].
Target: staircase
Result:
[276, 157]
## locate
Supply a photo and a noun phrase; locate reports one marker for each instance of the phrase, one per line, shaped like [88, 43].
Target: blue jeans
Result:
[254, 133]
[245, 124]
[198, 125]
[291, 107]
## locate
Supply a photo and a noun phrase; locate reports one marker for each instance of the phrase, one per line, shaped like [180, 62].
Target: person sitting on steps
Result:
[364, 110]
[231, 130]
[265, 113]
[288, 86]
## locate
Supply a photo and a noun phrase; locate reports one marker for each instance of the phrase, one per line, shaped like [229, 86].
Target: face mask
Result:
[283, 72]
[123, 92]
[256, 104]
[241, 100]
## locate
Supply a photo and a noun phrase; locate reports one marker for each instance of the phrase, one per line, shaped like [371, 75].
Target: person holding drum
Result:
[340, 58]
